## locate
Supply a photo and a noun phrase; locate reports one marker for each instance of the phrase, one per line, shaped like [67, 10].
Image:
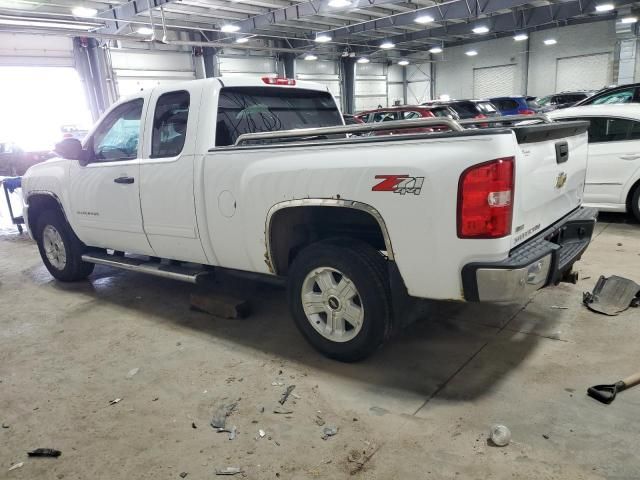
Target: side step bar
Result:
[186, 273]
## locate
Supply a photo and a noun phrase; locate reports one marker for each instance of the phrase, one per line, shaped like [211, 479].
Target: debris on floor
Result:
[261, 433]
[282, 411]
[5, 425]
[228, 471]
[221, 413]
[224, 306]
[45, 452]
[184, 474]
[612, 295]
[360, 459]
[16, 466]
[558, 307]
[285, 395]
[319, 420]
[500, 435]
[329, 431]
[133, 372]
[114, 401]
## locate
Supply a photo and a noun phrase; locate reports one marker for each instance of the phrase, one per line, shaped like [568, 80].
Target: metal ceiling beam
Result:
[127, 11]
[520, 20]
[306, 9]
[451, 10]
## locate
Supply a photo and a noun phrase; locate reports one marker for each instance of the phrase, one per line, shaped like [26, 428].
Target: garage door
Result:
[586, 72]
[323, 72]
[371, 86]
[136, 70]
[494, 81]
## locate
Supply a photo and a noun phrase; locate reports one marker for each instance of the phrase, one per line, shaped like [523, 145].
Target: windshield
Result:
[268, 109]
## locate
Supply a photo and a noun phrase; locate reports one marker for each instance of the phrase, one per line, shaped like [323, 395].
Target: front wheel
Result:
[338, 294]
[635, 203]
[60, 249]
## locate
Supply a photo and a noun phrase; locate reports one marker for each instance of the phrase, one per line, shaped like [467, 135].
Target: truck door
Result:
[105, 194]
[166, 170]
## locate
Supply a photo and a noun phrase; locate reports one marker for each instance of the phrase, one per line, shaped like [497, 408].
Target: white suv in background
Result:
[613, 172]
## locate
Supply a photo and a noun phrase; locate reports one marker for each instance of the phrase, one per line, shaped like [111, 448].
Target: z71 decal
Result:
[399, 184]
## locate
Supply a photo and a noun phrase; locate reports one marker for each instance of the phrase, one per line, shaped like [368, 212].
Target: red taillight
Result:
[526, 111]
[485, 199]
[278, 81]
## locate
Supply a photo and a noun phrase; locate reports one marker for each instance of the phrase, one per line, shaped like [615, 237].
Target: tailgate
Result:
[550, 171]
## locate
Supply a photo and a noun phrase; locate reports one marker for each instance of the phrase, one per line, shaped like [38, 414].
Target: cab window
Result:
[170, 124]
[620, 96]
[384, 117]
[410, 115]
[607, 129]
[117, 136]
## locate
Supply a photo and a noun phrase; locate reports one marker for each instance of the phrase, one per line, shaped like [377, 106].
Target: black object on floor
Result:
[44, 452]
[607, 393]
[612, 295]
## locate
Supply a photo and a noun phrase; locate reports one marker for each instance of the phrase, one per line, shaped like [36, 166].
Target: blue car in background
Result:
[517, 105]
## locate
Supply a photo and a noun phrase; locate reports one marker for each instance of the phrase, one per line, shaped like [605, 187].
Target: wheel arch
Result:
[39, 202]
[293, 224]
[630, 193]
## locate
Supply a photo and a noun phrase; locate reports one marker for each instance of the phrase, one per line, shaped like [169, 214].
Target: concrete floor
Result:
[420, 408]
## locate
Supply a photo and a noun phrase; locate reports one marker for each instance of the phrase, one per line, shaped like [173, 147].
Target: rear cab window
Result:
[170, 124]
[268, 109]
[487, 108]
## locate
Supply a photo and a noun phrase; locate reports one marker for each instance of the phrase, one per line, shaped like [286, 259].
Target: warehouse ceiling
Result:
[362, 26]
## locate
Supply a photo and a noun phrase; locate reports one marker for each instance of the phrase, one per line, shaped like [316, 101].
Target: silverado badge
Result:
[561, 180]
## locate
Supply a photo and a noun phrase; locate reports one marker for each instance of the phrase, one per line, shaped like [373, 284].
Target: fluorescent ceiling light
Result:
[363, 60]
[481, 30]
[242, 40]
[387, 45]
[323, 38]
[310, 57]
[404, 63]
[520, 37]
[435, 50]
[605, 7]
[471, 53]
[229, 28]
[145, 31]
[36, 23]
[550, 41]
[629, 20]
[424, 19]
[339, 3]
[84, 12]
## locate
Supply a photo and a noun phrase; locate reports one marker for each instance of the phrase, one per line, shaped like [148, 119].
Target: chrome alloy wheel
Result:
[332, 304]
[54, 247]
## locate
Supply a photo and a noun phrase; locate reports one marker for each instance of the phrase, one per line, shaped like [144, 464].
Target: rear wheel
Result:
[339, 298]
[635, 203]
[60, 249]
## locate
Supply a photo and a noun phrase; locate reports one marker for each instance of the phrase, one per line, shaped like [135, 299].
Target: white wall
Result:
[455, 70]
[231, 66]
[395, 84]
[418, 83]
[573, 41]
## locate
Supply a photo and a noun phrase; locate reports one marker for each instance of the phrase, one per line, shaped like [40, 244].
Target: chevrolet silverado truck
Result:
[261, 175]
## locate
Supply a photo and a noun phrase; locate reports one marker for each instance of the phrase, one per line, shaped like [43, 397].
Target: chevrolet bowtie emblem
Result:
[561, 180]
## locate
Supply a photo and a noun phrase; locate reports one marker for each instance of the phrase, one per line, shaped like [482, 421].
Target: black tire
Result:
[74, 268]
[635, 203]
[367, 270]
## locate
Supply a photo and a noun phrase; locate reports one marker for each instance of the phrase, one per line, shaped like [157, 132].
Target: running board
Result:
[186, 273]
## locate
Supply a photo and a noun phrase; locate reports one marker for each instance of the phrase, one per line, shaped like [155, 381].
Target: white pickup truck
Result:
[261, 175]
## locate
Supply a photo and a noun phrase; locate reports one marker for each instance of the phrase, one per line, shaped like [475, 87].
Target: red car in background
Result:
[406, 112]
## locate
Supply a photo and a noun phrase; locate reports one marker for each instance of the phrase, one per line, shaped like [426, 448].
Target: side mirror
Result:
[71, 149]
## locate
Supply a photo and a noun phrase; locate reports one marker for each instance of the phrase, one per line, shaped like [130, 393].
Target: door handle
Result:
[126, 180]
[633, 156]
